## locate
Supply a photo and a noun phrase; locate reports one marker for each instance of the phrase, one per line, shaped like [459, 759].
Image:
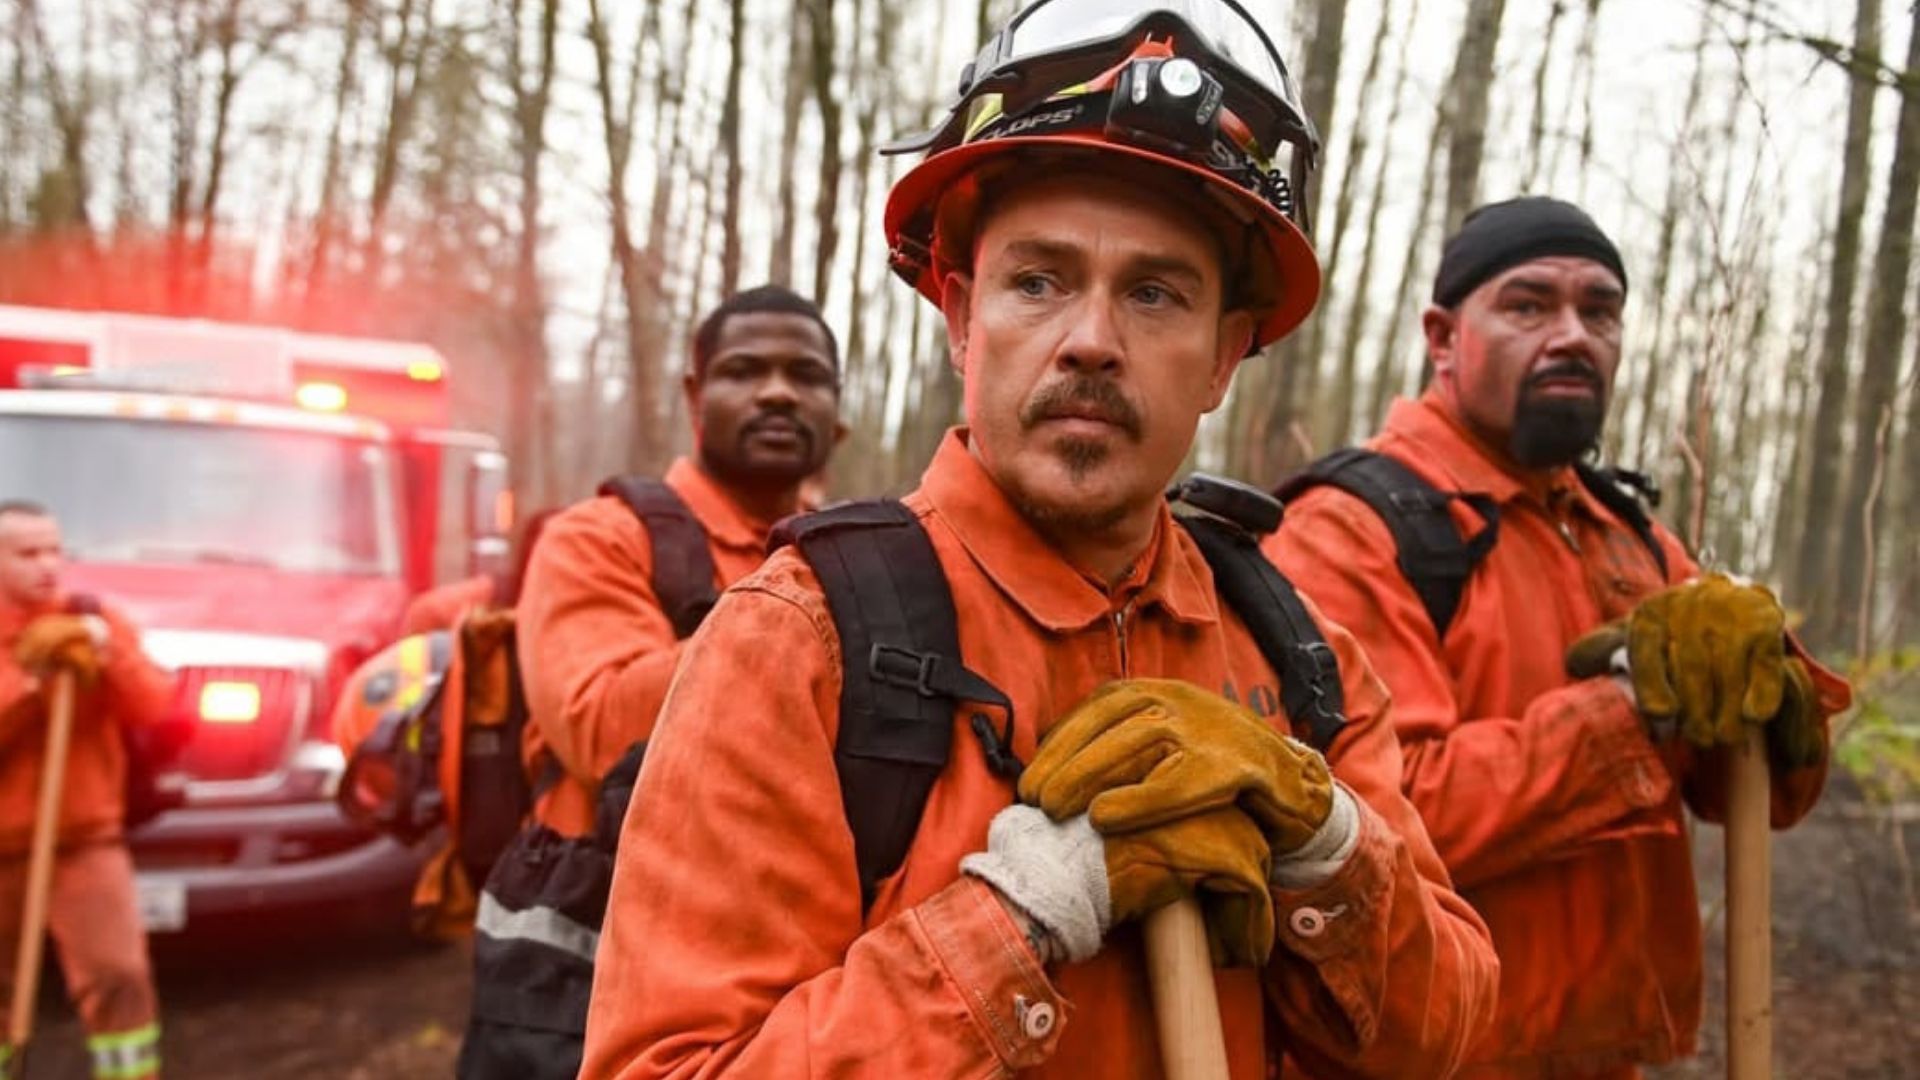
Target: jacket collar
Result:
[1172, 574]
[725, 521]
[1434, 436]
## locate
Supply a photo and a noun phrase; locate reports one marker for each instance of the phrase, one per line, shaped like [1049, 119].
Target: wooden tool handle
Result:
[1191, 1044]
[46, 834]
[1749, 912]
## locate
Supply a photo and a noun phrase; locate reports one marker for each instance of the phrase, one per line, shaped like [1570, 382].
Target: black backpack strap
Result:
[1616, 489]
[1267, 602]
[900, 644]
[1432, 555]
[682, 565]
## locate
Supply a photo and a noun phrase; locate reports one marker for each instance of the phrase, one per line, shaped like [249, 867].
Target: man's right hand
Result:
[62, 642]
[1076, 884]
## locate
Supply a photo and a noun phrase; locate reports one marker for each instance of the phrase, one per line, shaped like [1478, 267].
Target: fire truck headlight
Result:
[230, 702]
[321, 396]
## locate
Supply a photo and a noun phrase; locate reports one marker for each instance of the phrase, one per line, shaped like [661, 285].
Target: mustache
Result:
[1567, 369]
[1086, 396]
[775, 418]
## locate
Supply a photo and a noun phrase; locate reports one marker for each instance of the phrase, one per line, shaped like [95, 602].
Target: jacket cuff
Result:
[1340, 925]
[1618, 746]
[986, 958]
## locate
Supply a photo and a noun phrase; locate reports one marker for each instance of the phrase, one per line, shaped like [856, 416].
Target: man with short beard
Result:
[596, 645]
[1563, 679]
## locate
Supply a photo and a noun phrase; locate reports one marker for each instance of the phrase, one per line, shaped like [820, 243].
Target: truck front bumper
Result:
[199, 863]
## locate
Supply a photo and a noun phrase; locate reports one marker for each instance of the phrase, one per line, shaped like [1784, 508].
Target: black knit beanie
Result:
[1502, 235]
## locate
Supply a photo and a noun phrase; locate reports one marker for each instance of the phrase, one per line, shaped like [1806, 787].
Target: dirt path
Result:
[308, 998]
[328, 1000]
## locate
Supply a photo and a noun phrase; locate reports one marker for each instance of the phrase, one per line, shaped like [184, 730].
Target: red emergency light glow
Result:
[229, 702]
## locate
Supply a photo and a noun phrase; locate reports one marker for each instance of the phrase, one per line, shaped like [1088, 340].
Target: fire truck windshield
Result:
[153, 491]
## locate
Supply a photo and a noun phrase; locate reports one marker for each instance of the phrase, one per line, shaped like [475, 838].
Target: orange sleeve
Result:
[142, 692]
[1496, 792]
[697, 977]
[596, 649]
[439, 609]
[16, 699]
[1405, 960]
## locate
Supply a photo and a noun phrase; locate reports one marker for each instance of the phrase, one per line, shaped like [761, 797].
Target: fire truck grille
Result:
[244, 720]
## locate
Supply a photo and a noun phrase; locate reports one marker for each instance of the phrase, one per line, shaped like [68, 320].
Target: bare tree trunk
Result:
[1386, 380]
[827, 200]
[780, 268]
[406, 57]
[15, 151]
[530, 420]
[1466, 103]
[1791, 439]
[1811, 582]
[1886, 328]
[730, 141]
[226, 35]
[63, 195]
[327, 220]
[643, 377]
[1537, 124]
[1296, 357]
[1652, 441]
[1583, 59]
[1345, 390]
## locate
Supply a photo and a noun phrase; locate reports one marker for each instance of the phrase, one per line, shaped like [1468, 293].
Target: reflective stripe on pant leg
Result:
[126, 1055]
[6, 1062]
[538, 924]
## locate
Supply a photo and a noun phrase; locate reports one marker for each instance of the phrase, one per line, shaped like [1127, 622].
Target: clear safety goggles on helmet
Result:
[1062, 46]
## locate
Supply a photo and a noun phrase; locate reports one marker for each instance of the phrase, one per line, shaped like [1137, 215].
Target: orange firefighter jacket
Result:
[596, 648]
[734, 942]
[132, 691]
[1557, 816]
[439, 608]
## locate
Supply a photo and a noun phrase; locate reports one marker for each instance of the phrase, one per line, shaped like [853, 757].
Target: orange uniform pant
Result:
[95, 922]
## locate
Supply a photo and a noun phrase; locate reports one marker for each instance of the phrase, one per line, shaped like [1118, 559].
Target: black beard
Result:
[1551, 432]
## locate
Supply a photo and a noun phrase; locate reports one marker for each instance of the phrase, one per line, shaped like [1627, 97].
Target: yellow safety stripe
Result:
[414, 656]
[126, 1055]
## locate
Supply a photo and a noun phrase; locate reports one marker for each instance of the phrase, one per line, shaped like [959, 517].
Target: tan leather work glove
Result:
[1076, 884]
[1143, 752]
[1221, 858]
[1706, 658]
[67, 642]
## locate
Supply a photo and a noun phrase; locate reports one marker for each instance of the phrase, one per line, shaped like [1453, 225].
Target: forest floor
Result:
[322, 996]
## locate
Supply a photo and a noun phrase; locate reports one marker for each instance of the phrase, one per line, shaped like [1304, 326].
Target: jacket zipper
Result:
[1120, 636]
[1566, 533]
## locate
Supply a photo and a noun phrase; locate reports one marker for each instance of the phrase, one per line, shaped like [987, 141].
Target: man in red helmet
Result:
[1105, 257]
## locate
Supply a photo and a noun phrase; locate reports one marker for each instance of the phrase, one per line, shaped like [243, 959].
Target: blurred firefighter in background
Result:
[93, 912]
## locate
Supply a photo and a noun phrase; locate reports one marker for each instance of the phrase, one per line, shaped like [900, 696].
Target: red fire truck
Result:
[264, 503]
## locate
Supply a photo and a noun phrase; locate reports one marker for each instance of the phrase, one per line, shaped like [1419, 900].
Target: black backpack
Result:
[903, 679]
[1433, 556]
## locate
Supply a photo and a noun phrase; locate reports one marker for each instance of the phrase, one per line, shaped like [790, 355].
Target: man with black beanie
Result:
[1563, 677]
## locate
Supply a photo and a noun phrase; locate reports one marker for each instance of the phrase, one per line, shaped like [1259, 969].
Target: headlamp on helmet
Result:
[1191, 85]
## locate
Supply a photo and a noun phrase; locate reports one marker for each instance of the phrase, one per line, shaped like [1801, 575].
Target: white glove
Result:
[1055, 872]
